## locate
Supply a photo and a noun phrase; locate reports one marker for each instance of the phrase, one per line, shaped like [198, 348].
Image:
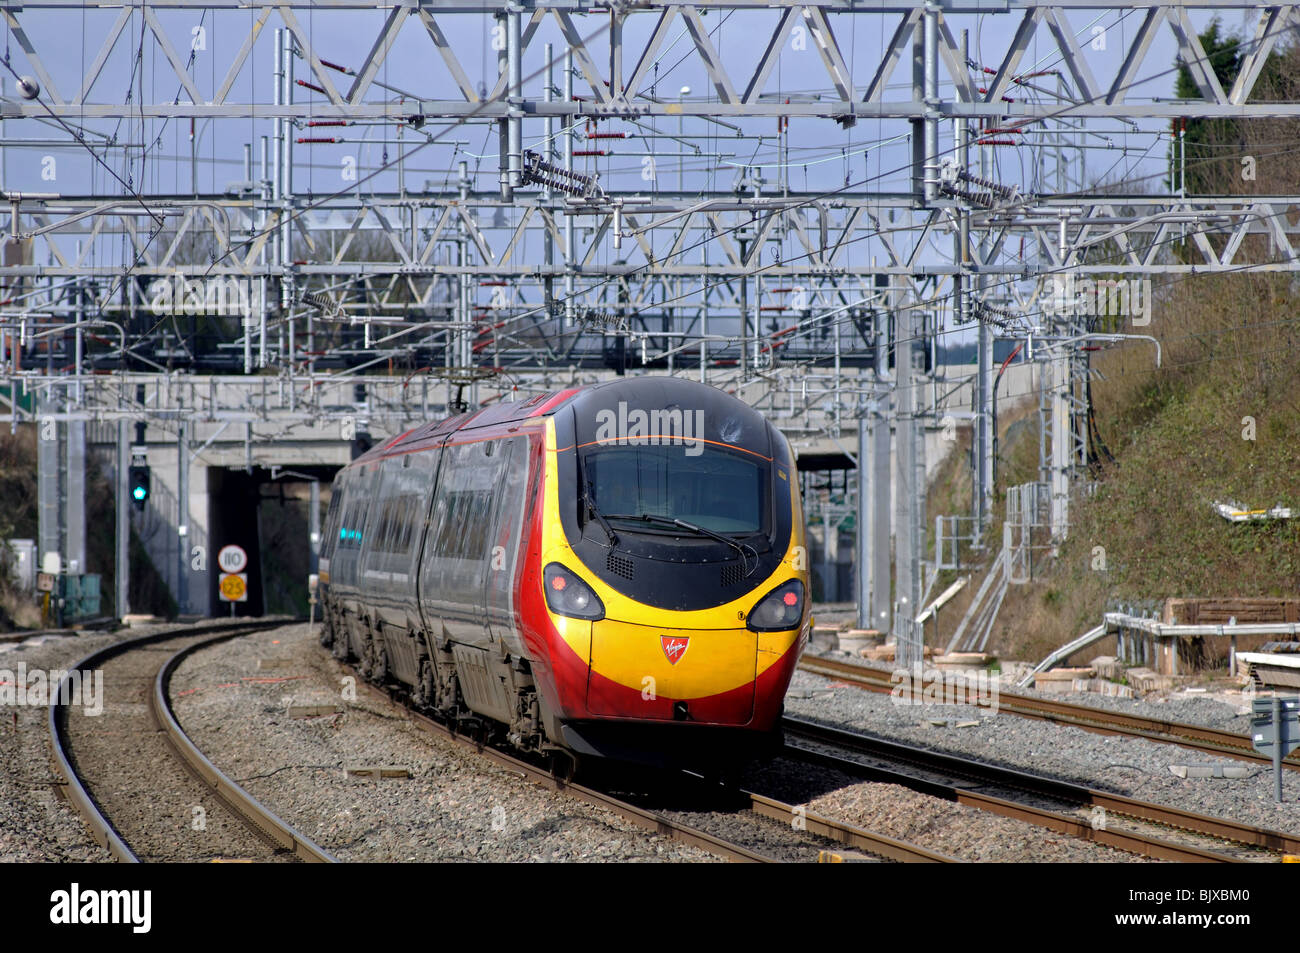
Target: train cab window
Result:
[719, 490]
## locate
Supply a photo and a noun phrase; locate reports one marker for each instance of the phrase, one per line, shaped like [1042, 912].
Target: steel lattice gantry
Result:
[612, 86]
[795, 293]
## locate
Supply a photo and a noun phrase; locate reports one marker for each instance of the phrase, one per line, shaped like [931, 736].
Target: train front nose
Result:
[672, 674]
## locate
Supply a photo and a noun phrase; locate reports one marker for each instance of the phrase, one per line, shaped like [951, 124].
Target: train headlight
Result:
[568, 595]
[780, 610]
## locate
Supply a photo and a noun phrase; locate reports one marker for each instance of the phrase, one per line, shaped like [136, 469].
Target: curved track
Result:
[1100, 720]
[1151, 830]
[788, 815]
[145, 791]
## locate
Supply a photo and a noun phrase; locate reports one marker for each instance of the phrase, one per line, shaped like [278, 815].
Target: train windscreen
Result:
[716, 489]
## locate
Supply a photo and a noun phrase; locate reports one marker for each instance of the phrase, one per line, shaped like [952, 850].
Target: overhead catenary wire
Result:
[587, 291]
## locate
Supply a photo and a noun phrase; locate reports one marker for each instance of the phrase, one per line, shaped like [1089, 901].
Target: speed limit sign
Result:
[232, 558]
[234, 587]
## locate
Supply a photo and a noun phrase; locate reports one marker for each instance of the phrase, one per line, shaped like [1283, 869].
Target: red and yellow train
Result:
[616, 570]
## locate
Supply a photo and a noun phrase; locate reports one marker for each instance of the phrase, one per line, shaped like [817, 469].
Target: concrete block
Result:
[1145, 680]
[1060, 680]
[1112, 689]
[1235, 771]
[1107, 666]
[855, 640]
[963, 662]
[885, 653]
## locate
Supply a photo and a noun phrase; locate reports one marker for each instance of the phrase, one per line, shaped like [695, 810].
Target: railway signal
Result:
[139, 477]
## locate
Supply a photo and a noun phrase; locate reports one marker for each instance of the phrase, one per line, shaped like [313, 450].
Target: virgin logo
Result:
[674, 647]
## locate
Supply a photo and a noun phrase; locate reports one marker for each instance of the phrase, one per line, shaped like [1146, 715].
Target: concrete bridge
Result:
[219, 448]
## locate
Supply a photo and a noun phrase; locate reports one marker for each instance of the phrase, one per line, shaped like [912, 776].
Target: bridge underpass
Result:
[253, 445]
[215, 482]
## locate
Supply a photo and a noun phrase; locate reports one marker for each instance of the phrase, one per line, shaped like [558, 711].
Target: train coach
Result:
[615, 570]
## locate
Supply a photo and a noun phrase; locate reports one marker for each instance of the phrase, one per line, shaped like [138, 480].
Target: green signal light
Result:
[139, 493]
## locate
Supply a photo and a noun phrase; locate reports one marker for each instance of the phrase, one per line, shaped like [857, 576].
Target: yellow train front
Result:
[673, 574]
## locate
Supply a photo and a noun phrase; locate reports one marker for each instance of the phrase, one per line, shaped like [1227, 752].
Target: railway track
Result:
[1099, 720]
[790, 816]
[145, 791]
[90, 625]
[1151, 830]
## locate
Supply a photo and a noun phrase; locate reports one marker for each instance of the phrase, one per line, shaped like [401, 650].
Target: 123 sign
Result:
[232, 558]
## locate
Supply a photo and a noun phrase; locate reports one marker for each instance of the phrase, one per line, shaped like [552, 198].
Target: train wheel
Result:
[378, 658]
[341, 649]
[564, 766]
[366, 656]
[424, 690]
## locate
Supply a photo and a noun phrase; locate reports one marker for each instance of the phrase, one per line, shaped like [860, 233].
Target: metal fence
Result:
[950, 533]
[1028, 522]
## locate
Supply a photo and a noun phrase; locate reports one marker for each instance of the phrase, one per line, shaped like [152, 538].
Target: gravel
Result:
[457, 806]
[1221, 705]
[1133, 766]
[961, 832]
[156, 804]
[36, 825]
[1225, 708]
[234, 700]
[763, 835]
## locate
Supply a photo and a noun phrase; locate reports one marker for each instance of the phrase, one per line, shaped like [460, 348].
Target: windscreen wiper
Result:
[589, 498]
[594, 510]
[698, 530]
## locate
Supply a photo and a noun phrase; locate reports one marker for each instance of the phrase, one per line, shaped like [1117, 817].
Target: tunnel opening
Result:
[267, 512]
